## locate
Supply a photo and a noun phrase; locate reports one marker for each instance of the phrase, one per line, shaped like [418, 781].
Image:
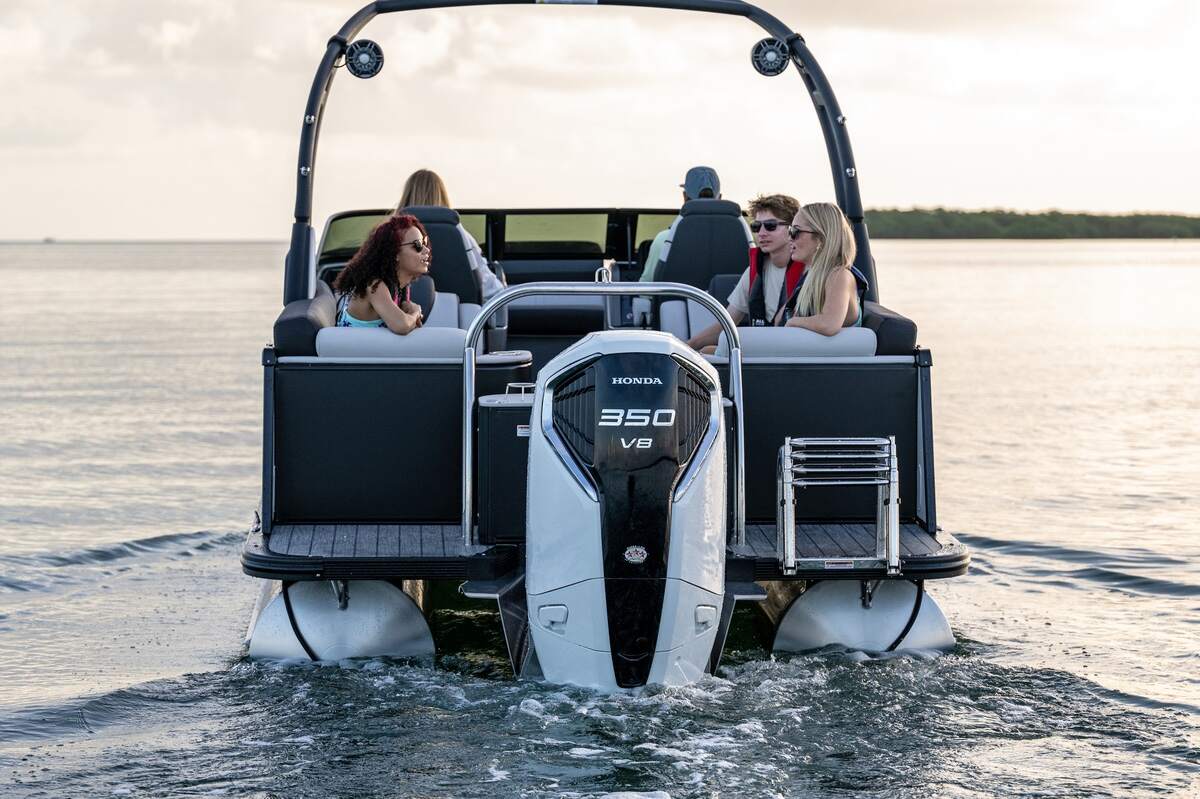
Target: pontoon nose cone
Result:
[379, 620]
[901, 617]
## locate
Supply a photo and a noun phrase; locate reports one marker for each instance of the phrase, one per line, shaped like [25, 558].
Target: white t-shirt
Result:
[773, 276]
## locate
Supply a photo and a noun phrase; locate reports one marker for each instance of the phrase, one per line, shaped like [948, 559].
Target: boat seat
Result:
[547, 324]
[448, 311]
[301, 322]
[710, 239]
[785, 343]
[894, 334]
[685, 318]
[296, 328]
[379, 342]
[557, 314]
[448, 263]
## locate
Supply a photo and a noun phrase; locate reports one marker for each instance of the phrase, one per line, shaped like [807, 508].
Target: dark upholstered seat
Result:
[449, 265]
[709, 239]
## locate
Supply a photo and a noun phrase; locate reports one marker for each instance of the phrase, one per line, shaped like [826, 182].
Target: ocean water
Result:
[1067, 420]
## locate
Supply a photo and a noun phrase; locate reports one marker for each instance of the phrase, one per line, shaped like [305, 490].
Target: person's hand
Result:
[408, 306]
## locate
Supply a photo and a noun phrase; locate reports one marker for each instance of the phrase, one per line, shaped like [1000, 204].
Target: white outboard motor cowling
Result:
[626, 524]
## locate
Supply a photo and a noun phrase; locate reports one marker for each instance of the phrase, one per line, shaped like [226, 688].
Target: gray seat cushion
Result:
[795, 342]
[379, 342]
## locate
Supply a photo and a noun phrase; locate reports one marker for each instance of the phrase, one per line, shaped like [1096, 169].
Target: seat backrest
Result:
[897, 334]
[709, 239]
[683, 318]
[449, 266]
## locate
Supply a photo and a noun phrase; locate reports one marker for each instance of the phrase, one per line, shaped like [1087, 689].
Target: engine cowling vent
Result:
[574, 414]
[692, 412]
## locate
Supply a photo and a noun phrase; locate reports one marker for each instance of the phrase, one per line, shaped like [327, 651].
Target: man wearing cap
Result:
[700, 183]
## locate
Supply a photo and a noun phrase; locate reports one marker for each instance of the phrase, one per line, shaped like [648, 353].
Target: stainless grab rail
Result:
[602, 287]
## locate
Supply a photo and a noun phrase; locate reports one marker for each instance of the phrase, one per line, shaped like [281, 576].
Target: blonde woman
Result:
[425, 187]
[830, 297]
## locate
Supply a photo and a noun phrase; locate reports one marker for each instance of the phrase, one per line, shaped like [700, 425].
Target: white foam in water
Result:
[496, 774]
[532, 707]
[583, 751]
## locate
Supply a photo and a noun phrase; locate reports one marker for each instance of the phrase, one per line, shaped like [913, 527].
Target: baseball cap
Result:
[698, 179]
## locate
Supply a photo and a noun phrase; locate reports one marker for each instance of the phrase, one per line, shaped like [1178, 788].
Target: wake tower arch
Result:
[302, 247]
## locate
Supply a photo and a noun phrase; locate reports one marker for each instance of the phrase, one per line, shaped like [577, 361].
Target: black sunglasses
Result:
[794, 232]
[418, 245]
[770, 225]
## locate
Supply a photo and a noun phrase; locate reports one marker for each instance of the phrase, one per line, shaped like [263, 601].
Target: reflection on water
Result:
[1066, 379]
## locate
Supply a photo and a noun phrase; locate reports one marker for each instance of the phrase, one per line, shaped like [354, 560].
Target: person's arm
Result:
[738, 308]
[398, 320]
[839, 290]
[488, 282]
[653, 256]
[711, 334]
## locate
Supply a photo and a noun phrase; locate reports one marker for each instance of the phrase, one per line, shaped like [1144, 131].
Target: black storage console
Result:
[503, 466]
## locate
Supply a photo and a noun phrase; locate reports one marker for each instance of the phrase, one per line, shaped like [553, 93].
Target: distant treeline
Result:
[942, 223]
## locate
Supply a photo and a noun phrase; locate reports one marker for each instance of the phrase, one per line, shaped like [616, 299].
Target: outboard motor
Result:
[626, 524]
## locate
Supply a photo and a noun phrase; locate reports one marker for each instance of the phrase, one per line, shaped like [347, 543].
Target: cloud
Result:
[948, 102]
[939, 17]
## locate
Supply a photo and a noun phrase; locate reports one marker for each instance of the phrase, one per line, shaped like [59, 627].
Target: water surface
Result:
[1066, 377]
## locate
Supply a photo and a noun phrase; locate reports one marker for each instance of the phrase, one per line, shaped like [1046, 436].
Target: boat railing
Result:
[603, 287]
[812, 462]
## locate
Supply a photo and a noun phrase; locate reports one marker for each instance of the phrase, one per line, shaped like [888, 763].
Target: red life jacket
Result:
[757, 303]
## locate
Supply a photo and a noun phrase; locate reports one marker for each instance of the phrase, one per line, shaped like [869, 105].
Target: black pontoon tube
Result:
[829, 114]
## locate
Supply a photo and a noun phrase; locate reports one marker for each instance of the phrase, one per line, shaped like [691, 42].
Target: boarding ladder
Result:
[812, 462]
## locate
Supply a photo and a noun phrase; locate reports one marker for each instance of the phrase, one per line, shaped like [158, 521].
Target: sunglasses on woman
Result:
[418, 245]
[769, 224]
[794, 232]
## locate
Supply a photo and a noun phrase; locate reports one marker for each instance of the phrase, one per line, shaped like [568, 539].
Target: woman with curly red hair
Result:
[374, 284]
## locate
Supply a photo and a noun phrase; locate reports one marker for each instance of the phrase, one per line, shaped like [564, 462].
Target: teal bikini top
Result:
[346, 319]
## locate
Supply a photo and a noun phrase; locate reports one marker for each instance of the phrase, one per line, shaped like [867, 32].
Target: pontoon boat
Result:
[612, 491]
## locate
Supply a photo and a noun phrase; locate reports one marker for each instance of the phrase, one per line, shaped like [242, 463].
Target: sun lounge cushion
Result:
[379, 342]
[793, 342]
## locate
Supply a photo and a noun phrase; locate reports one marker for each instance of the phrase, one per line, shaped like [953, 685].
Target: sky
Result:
[180, 119]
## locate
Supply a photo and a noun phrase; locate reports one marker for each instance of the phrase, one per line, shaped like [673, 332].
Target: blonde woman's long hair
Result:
[836, 251]
[423, 187]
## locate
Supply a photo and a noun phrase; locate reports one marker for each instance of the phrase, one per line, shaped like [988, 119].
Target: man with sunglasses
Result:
[771, 276]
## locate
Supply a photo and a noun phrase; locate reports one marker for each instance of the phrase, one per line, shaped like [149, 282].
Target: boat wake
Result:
[43, 570]
[803, 725]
